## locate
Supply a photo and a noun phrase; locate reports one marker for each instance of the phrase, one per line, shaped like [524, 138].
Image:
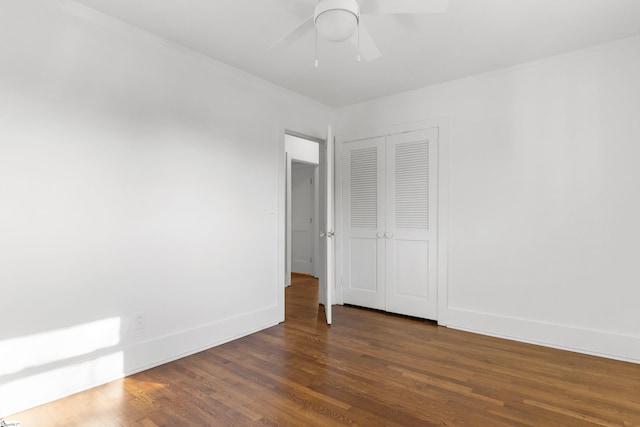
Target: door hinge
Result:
[311, 259]
[310, 220]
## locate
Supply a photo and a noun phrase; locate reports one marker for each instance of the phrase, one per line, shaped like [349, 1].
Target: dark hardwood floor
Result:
[368, 369]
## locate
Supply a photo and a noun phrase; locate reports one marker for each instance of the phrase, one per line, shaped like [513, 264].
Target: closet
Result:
[389, 217]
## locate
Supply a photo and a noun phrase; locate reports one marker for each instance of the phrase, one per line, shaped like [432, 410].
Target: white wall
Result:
[302, 150]
[543, 197]
[124, 190]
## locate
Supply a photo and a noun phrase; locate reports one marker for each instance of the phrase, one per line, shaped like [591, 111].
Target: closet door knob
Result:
[380, 234]
[389, 234]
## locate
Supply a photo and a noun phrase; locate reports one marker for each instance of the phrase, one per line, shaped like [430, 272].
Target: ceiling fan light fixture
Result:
[336, 20]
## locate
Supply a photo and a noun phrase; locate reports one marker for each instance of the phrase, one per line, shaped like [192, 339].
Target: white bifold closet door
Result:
[389, 223]
[363, 188]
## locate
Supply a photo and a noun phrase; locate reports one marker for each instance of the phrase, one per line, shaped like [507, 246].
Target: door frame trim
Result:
[442, 125]
[280, 211]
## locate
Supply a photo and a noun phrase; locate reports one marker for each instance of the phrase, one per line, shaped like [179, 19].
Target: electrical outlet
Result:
[139, 321]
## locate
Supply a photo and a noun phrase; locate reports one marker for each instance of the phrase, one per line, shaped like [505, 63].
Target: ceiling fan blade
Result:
[368, 49]
[298, 32]
[403, 6]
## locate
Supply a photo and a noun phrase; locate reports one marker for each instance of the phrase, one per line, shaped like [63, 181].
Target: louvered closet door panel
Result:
[411, 210]
[363, 193]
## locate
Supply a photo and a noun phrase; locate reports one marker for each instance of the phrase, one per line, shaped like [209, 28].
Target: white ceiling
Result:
[474, 36]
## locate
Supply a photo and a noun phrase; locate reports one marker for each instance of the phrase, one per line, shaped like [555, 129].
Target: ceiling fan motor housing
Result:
[336, 20]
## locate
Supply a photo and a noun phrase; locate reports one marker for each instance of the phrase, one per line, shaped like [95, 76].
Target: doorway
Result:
[319, 154]
[302, 161]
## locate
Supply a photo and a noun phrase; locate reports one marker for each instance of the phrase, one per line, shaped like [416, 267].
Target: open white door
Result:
[287, 257]
[327, 245]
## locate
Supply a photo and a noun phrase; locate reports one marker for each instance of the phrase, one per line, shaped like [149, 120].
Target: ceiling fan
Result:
[339, 20]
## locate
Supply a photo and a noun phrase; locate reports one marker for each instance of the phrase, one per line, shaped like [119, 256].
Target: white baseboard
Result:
[22, 393]
[580, 340]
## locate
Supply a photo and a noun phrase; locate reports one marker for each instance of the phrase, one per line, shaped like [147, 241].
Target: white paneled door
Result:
[411, 216]
[363, 191]
[302, 210]
[389, 190]
[327, 245]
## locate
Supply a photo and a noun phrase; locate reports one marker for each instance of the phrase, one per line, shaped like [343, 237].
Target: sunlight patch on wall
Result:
[40, 388]
[48, 347]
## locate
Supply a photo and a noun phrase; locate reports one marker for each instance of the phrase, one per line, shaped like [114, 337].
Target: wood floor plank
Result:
[367, 369]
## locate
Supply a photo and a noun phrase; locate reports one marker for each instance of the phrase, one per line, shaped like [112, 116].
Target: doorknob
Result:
[380, 234]
[323, 234]
[389, 234]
